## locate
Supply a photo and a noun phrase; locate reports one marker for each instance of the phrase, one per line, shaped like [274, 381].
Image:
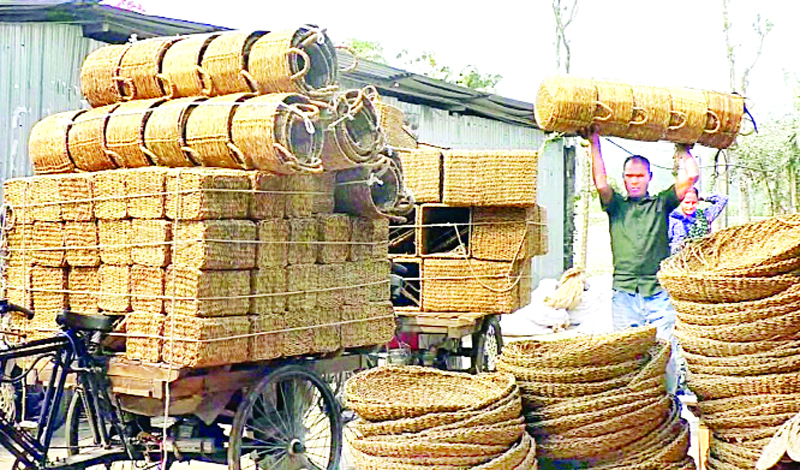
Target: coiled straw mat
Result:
[394, 392]
[689, 116]
[616, 101]
[703, 287]
[47, 144]
[181, 66]
[225, 60]
[566, 104]
[355, 193]
[504, 433]
[354, 136]
[728, 109]
[302, 60]
[140, 70]
[208, 133]
[715, 348]
[743, 402]
[773, 361]
[651, 111]
[782, 326]
[710, 387]
[86, 140]
[765, 415]
[164, 138]
[124, 133]
[700, 314]
[99, 83]
[410, 448]
[278, 133]
[571, 374]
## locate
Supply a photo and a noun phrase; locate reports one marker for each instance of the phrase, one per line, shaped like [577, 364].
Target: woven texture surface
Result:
[490, 178]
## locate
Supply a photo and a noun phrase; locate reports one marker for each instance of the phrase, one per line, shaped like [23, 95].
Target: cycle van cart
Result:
[282, 414]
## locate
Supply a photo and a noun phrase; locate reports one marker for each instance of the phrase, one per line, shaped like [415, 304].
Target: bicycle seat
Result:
[101, 323]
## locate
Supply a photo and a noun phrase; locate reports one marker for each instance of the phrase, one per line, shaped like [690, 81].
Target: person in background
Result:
[639, 242]
[689, 222]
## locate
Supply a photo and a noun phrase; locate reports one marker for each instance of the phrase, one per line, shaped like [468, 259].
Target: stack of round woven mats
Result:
[414, 418]
[600, 401]
[738, 322]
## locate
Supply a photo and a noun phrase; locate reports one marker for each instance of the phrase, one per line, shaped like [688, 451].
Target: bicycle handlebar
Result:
[6, 306]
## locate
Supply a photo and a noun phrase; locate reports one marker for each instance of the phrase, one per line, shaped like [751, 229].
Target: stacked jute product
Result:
[638, 112]
[737, 297]
[600, 401]
[476, 228]
[416, 418]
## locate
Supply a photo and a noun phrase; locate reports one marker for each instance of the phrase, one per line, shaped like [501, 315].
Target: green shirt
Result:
[639, 240]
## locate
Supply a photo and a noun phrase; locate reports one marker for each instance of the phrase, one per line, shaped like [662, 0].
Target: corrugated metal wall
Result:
[439, 127]
[40, 66]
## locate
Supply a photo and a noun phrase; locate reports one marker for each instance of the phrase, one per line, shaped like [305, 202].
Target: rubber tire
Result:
[490, 329]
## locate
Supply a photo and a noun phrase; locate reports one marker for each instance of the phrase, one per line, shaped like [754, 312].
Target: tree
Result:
[367, 50]
[564, 17]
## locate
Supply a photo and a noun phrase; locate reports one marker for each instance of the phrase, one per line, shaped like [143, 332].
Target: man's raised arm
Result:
[688, 177]
[599, 169]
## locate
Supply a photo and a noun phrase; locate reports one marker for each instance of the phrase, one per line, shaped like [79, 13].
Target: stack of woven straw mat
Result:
[600, 401]
[416, 418]
[737, 298]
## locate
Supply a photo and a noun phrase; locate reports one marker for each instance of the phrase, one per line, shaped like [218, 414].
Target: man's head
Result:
[637, 175]
[689, 203]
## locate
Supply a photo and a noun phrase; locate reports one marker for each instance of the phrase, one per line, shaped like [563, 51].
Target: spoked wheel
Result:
[289, 421]
[487, 344]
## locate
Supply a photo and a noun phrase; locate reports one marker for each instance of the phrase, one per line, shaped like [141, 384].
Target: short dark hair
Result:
[692, 190]
[637, 158]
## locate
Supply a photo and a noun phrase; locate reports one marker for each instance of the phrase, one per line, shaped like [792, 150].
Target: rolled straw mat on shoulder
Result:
[140, 69]
[565, 104]
[47, 145]
[727, 110]
[688, 115]
[181, 66]
[225, 60]
[99, 81]
[616, 103]
[651, 111]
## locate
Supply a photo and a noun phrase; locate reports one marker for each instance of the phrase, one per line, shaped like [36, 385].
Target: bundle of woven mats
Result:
[600, 401]
[737, 297]
[412, 418]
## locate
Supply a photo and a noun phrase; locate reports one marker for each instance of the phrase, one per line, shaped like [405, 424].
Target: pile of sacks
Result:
[417, 417]
[600, 401]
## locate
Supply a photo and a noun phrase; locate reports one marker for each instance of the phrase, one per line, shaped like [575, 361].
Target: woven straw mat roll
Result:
[140, 68]
[208, 132]
[255, 131]
[688, 115]
[47, 145]
[615, 101]
[181, 66]
[727, 110]
[651, 110]
[99, 82]
[356, 137]
[225, 61]
[125, 132]
[565, 104]
[86, 140]
[163, 133]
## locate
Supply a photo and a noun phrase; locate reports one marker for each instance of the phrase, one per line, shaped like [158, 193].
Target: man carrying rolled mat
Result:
[638, 224]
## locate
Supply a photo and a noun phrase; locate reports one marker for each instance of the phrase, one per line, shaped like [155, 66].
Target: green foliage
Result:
[367, 50]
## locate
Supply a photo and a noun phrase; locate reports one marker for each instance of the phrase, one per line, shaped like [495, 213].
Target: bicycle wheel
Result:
[289, 421]
[487, 344]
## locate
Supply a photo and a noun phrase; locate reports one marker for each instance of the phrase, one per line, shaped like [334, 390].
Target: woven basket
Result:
[490, 177]
[504, 234]
[47, 144]
[615, 103]
[565, 104]
[115, 288]
[653, 410]
[208, 133]
[115, 242]
[267, 341]
[225, 59]
[81, 242]
[532, 390]
[354, 137]
[571, 374]
[99, 72]
[140, 70]
[124, 133]
[208, 193]
[366, 461]
[743, 402]
[76, 187]
[411, 448]
[205, 342]
[273, 247]
[147, 289]
[651, 113]
[782, 326]
[714, 348]
[726, 314]
[709, 387]
[151, 242]
[110, 193]
[83, 284]
[772, 414]
[200, 293]
[86, 140]
[273, 134]
[215, 244]
[48, 244]
[689, 115]
[143, 341]
[727, 112]
[772, 361]
[702, 287]
[163, 133]
[181, 66]
[301, 61]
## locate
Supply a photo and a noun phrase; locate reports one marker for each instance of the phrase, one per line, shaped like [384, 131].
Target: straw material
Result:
[48, 244]
[758, 365]
[325, 338]
[208, 133]
[382, 325]
[110, 191]
[370, 239]
[81, 240]
[115, 288]
[308, 194]
[366, 461]
[99, 72]
[354, 136]
[47, 144]
[215, 244]
[273, 247]
[355, 274]
[302, 283]
[18, 285]
[651, 113]
[565, 104]
[728, 111]
[615, 108]
[453, 285]
[204, 342]
[331, 276]
[147, 289]
[490, 177]
[571, 374]
[720, 386]
[207, 193]
[303, 233]
[17, 194]
[581, 411]
[264, 283]
[773, 414]
[378, 273]
[422, 172]
[688, 115]
[140, 68]
[650, 410]
[504, 234]
[86, 140]
[714, 348]
[741, 403]
[76, 187]
[44, 198]
[392, 123]
[144, 331]
[19, 246]
[124, 133]
[300, 339]
[84, 284]
[781, 326]
[115, 241]
[278, 133]
[224, 60]
[14, 328]
[151, 240]
[212, 293]
[48, 286]
[267, 344]
[146, 187]
[702, 287]
[354, 331]
[334, 237]
[696, 313]
[381, 448]
[269, 196]
[181, 65]
[163, 133]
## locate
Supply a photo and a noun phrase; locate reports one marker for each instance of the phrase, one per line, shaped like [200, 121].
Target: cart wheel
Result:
[289, 421]
[487, 344]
